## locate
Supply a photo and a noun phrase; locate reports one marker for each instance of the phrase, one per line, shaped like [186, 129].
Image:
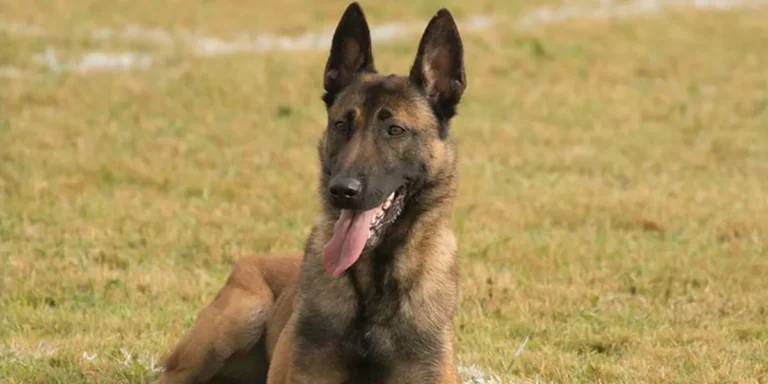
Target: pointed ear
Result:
[439, 65]
[350, 52]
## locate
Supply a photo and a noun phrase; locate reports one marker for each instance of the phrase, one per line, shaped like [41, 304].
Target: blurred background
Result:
[613, 178]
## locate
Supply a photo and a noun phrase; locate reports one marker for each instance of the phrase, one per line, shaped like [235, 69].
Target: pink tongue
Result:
[350, 233]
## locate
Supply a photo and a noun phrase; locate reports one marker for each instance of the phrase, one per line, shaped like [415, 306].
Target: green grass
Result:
[612, 205]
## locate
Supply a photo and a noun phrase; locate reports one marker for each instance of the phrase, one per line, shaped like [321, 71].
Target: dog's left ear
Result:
[351, 52]
[439, 65]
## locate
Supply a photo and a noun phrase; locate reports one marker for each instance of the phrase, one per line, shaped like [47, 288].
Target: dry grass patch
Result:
[613, 189]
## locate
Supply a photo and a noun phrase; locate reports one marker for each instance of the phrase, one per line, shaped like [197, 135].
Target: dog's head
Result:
[387, 135]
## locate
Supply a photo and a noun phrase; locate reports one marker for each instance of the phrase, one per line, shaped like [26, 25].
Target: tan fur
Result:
[256, 330]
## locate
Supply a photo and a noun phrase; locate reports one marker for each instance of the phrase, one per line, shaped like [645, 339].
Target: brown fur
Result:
[388, 319]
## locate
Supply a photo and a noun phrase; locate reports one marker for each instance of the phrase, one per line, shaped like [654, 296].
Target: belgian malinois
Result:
[373, 297]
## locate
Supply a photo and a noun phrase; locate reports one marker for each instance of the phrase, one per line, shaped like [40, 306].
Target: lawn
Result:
[612, 214]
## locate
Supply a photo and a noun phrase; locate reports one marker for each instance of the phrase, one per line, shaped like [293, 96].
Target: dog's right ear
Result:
[350, 53]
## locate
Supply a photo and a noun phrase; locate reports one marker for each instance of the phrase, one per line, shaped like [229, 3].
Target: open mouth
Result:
[385, 214]
[356, 231]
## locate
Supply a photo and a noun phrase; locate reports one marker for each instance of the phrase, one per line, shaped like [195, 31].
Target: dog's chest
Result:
[384, 329]
[375, 332]
[379, 338]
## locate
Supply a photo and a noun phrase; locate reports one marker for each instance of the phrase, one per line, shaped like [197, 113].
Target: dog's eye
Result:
[395, 130]
[340, 127]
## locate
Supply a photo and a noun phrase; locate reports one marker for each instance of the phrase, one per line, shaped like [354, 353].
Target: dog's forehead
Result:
[372, 91]
[389, 83]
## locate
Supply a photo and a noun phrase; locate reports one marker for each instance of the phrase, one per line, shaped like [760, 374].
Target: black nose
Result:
[346, 187]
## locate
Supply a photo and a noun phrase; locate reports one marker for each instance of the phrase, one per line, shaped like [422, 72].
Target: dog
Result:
[373, 296]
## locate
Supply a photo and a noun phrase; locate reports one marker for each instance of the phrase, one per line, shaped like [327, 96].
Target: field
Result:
[613, 206]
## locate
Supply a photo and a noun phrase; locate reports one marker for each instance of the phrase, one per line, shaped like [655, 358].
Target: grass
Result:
[612, 206]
